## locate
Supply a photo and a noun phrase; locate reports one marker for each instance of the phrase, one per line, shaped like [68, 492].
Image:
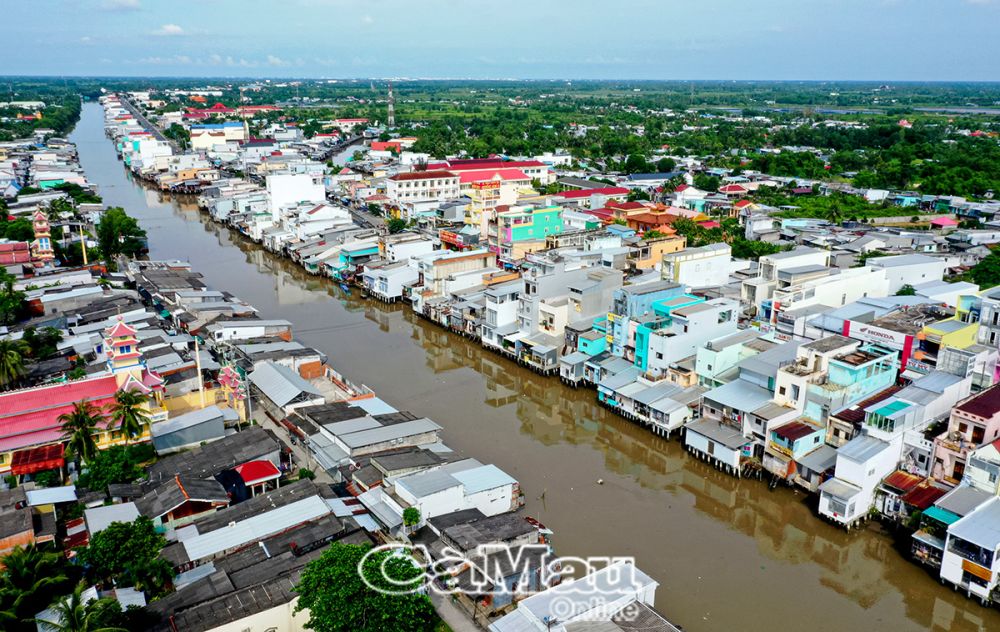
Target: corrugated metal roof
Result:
[981, 527]
[482, 478]
[51, 495]
[428, 483]
[280, 384]
[99, 518]
[862, 448]
[186, 420]
[255, 528]
[740, 395]
[388, 433]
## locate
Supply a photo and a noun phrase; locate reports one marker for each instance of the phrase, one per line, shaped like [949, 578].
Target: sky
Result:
[900, 40]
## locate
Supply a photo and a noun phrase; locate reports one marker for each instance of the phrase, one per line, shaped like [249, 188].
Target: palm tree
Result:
[12, 354]
[833, 215]
[29, 577]
[73, 614]
[78, 428]
[128, 413]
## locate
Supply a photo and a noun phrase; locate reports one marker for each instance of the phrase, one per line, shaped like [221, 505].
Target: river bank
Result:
[721, 548]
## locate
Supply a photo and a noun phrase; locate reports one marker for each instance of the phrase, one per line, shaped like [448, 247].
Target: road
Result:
[152, 129]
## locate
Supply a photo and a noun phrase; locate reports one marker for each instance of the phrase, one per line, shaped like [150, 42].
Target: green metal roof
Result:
[941, 515]
[892, 408]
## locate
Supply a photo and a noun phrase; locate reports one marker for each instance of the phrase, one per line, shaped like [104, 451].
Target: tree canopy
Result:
[338, 599]
[119, 234]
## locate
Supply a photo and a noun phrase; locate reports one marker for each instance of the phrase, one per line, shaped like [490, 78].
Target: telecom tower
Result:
[391, 118]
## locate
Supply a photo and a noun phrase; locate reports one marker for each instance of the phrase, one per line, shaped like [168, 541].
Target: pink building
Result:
[973, 423]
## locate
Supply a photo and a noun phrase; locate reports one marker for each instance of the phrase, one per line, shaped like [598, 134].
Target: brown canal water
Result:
[729, 554]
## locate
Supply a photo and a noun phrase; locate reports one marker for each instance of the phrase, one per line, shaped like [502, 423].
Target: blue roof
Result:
[218, 125]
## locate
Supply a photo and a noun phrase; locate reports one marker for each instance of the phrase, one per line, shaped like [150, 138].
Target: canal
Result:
[729, 555]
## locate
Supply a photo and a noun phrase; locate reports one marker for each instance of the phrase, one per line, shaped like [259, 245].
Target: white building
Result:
[708, 266]
[290, 189]
[909, 270]
[971, 559]
[422, 186]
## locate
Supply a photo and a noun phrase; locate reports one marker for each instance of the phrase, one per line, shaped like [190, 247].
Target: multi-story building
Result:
[422, 186]
[972, 424]
[707, 266]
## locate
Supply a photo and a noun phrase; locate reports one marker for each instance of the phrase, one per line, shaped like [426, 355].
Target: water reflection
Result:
[729, 554]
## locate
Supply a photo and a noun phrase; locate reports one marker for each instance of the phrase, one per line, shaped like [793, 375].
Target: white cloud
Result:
[86, 39]
[367, 19]
[168, 30]
[174, 60]
[277, 61]
[120, 5]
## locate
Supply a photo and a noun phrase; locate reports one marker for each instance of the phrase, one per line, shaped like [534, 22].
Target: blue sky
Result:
[936, 40]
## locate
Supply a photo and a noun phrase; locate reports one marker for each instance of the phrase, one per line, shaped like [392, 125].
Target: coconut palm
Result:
[73, 614]
[78, 427]
[12, 354]
[29, 576]
[833, 215]
[128, 413]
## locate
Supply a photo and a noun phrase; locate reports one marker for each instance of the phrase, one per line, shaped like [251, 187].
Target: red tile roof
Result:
[743, 204]
[586, 193]
[422, 175]
[626, 206]
[986, 404]
[480, 175]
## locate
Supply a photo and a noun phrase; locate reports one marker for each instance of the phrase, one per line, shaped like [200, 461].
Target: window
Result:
[781, 391]
[711, 448]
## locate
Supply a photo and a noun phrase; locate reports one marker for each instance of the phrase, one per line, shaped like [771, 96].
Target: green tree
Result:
[637, 194]
[906, 290]
[117, 464]
[396, 225]
[986, 273]
[124, 551]
[73, 614]
[12, 354]
[29, 578]
[833, 215]
[12, 303]
[706, 182]
[119, 234]
[128, 413]
[79, 426]
[411, 517]
[665, 165]
[340, 600]
[636, 163]
[44, 344]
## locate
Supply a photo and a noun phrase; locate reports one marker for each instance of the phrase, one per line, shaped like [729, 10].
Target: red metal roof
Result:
[46, 457]
[253, 472]
[30, 417]
[795, 430]
[923, 495]
[710, 224]
[903, 481]
[986, 404]
[856, 413]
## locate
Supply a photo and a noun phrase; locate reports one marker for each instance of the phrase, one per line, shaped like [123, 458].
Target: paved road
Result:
[303, 457]
[154, 130]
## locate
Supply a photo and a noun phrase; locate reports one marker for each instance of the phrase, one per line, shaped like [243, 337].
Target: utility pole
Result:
[83, 245]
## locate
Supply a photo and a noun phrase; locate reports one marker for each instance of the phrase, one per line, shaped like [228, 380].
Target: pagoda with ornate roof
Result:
[125, 361]
[41, 248]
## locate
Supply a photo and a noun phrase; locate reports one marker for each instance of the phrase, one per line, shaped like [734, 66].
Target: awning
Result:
[941, 515]
[46, 457]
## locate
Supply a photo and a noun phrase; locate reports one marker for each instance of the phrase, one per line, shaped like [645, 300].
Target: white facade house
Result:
[708, 266]
[971, 559]
[908, 270]
[466, 484]
[287, 189]
[422, 186]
